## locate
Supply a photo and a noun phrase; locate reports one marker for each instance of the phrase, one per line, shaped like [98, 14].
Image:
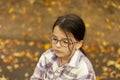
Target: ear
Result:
[79, 44]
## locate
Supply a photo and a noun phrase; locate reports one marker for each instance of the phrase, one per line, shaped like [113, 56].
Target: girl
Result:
[66, 59]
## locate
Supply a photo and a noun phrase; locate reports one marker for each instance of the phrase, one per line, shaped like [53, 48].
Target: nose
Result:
[58, 44]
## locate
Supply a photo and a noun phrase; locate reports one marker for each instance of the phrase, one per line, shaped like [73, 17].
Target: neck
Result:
[64, 60]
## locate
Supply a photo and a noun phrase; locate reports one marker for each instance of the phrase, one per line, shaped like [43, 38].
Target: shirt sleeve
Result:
[89, 76]
[86, 71]
[39, 71]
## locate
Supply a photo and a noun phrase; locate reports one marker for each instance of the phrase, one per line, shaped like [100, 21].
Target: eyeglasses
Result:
[63, 42]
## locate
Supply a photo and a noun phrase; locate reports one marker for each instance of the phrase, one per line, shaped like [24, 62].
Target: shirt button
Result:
[58, 71]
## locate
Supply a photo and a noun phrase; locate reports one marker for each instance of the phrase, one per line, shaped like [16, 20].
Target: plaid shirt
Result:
[79, 68]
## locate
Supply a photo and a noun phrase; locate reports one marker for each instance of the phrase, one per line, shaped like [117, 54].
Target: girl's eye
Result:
[66, 41]
[55, 39]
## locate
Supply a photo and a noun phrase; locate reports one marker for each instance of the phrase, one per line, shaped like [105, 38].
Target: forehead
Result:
[61, 34]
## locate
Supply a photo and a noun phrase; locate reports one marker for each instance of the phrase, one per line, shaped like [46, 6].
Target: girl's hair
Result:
[73, 24]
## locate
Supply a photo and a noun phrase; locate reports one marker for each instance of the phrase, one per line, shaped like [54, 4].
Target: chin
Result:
[58, 55]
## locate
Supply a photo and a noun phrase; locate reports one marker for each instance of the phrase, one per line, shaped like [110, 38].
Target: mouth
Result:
[57, 51]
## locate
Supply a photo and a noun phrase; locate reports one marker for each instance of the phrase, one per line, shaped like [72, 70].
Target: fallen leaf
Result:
[26, 74]
[11, 10]
[110, 62]
[13, 17]
[47, 46]
[49, 9]
[16, 66]
[31, 43]
[10, 68]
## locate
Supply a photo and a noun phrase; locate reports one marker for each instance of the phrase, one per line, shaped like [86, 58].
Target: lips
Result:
[57, 51]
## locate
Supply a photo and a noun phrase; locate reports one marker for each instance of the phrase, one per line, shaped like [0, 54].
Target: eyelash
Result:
[65, 41]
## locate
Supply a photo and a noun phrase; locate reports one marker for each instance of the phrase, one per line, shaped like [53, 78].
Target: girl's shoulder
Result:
[49, 54]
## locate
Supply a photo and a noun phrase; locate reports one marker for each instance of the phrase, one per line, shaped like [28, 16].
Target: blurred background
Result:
[26, 24]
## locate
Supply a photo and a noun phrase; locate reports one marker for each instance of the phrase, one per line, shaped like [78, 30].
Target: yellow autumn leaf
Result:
[28, 55]
[117, 76]
[117, 63]
[105, 74]
[39, 45]
[16, 54]
[16, 66]
[26, 74]
[11, 10]
[31, 43]
[1, 69]
[25, 34]
[102, 49]
[112, 74]
[99, 78]
[118, 60]
[13, 17]
[2, 56]
[87, 25]
[3, 78]
[32, 1]
[0, 26]
[39, 19]
[47, 46]
[110, 62]
[98, 33]
[8, 59]
[114, 5]
[104, 68]
[92, 55]
[35, 59]
[105, 43]
[107, 20]
[118, 51]
[47, 2]
[37, 54]
[49, 9]
[10, 68]
[53, 3]
[32, 19]
[118, 7]
[109, 27]
[15, 60]
[117, 66]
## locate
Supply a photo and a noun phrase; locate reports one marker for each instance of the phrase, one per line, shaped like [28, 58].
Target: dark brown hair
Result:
[71, 23]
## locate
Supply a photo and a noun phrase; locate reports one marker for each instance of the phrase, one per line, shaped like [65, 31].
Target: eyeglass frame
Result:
[62, 40]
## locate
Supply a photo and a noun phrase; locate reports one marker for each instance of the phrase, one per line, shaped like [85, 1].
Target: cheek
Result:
[71, 47]
[66, 50]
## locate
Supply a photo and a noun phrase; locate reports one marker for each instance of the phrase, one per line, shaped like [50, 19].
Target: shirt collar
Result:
[76, 59]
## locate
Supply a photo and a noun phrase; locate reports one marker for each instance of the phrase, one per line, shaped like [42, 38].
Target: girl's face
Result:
[62, 44]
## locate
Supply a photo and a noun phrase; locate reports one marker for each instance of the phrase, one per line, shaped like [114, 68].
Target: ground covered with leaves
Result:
[25, 25]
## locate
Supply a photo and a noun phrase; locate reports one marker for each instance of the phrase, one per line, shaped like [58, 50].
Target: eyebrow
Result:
[62, 38]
